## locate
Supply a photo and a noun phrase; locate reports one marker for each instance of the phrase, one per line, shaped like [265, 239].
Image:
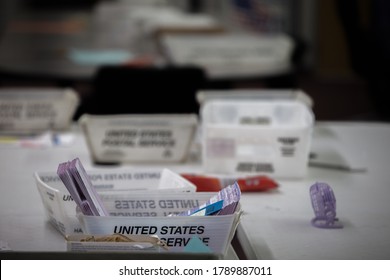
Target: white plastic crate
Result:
[33, 110]
[203, 96]
[270, 137]
[139, 138]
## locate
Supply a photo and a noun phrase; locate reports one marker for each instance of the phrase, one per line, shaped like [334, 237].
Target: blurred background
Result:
[340, 54]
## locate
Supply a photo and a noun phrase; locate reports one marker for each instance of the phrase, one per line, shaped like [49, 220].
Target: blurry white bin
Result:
[139, 138]
[33, 110]
[271, 137]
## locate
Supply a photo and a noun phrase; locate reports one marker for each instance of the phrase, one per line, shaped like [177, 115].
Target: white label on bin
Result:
[149, 207]
[27, 110]
[175, 235]
[108, 180]
[145, 138]
[255, 120]
[254, 167]
[31, 110]
[220, 147]
[288, 146]
[251, 150]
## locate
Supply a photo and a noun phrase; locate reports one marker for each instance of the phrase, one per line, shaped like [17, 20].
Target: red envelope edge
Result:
[256, 184]
[247, 184]
[204, 183]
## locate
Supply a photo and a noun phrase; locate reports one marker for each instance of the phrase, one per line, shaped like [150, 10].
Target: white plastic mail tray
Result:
[141, 185]
[225, 55]
[139, 138]
[216, 232]
[33, 110]
[270, 137]
[203, 96]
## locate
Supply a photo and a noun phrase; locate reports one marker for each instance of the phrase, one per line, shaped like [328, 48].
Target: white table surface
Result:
[278, 226]
[275, 225]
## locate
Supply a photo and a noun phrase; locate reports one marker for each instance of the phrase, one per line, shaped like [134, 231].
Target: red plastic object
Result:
[205, 183]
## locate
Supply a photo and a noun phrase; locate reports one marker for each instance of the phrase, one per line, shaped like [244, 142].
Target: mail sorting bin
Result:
[139, 138]
[61, 209]
[138, 209]
[35, 110]
[264, 137]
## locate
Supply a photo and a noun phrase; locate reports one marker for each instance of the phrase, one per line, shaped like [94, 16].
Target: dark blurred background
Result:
[341, 58]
